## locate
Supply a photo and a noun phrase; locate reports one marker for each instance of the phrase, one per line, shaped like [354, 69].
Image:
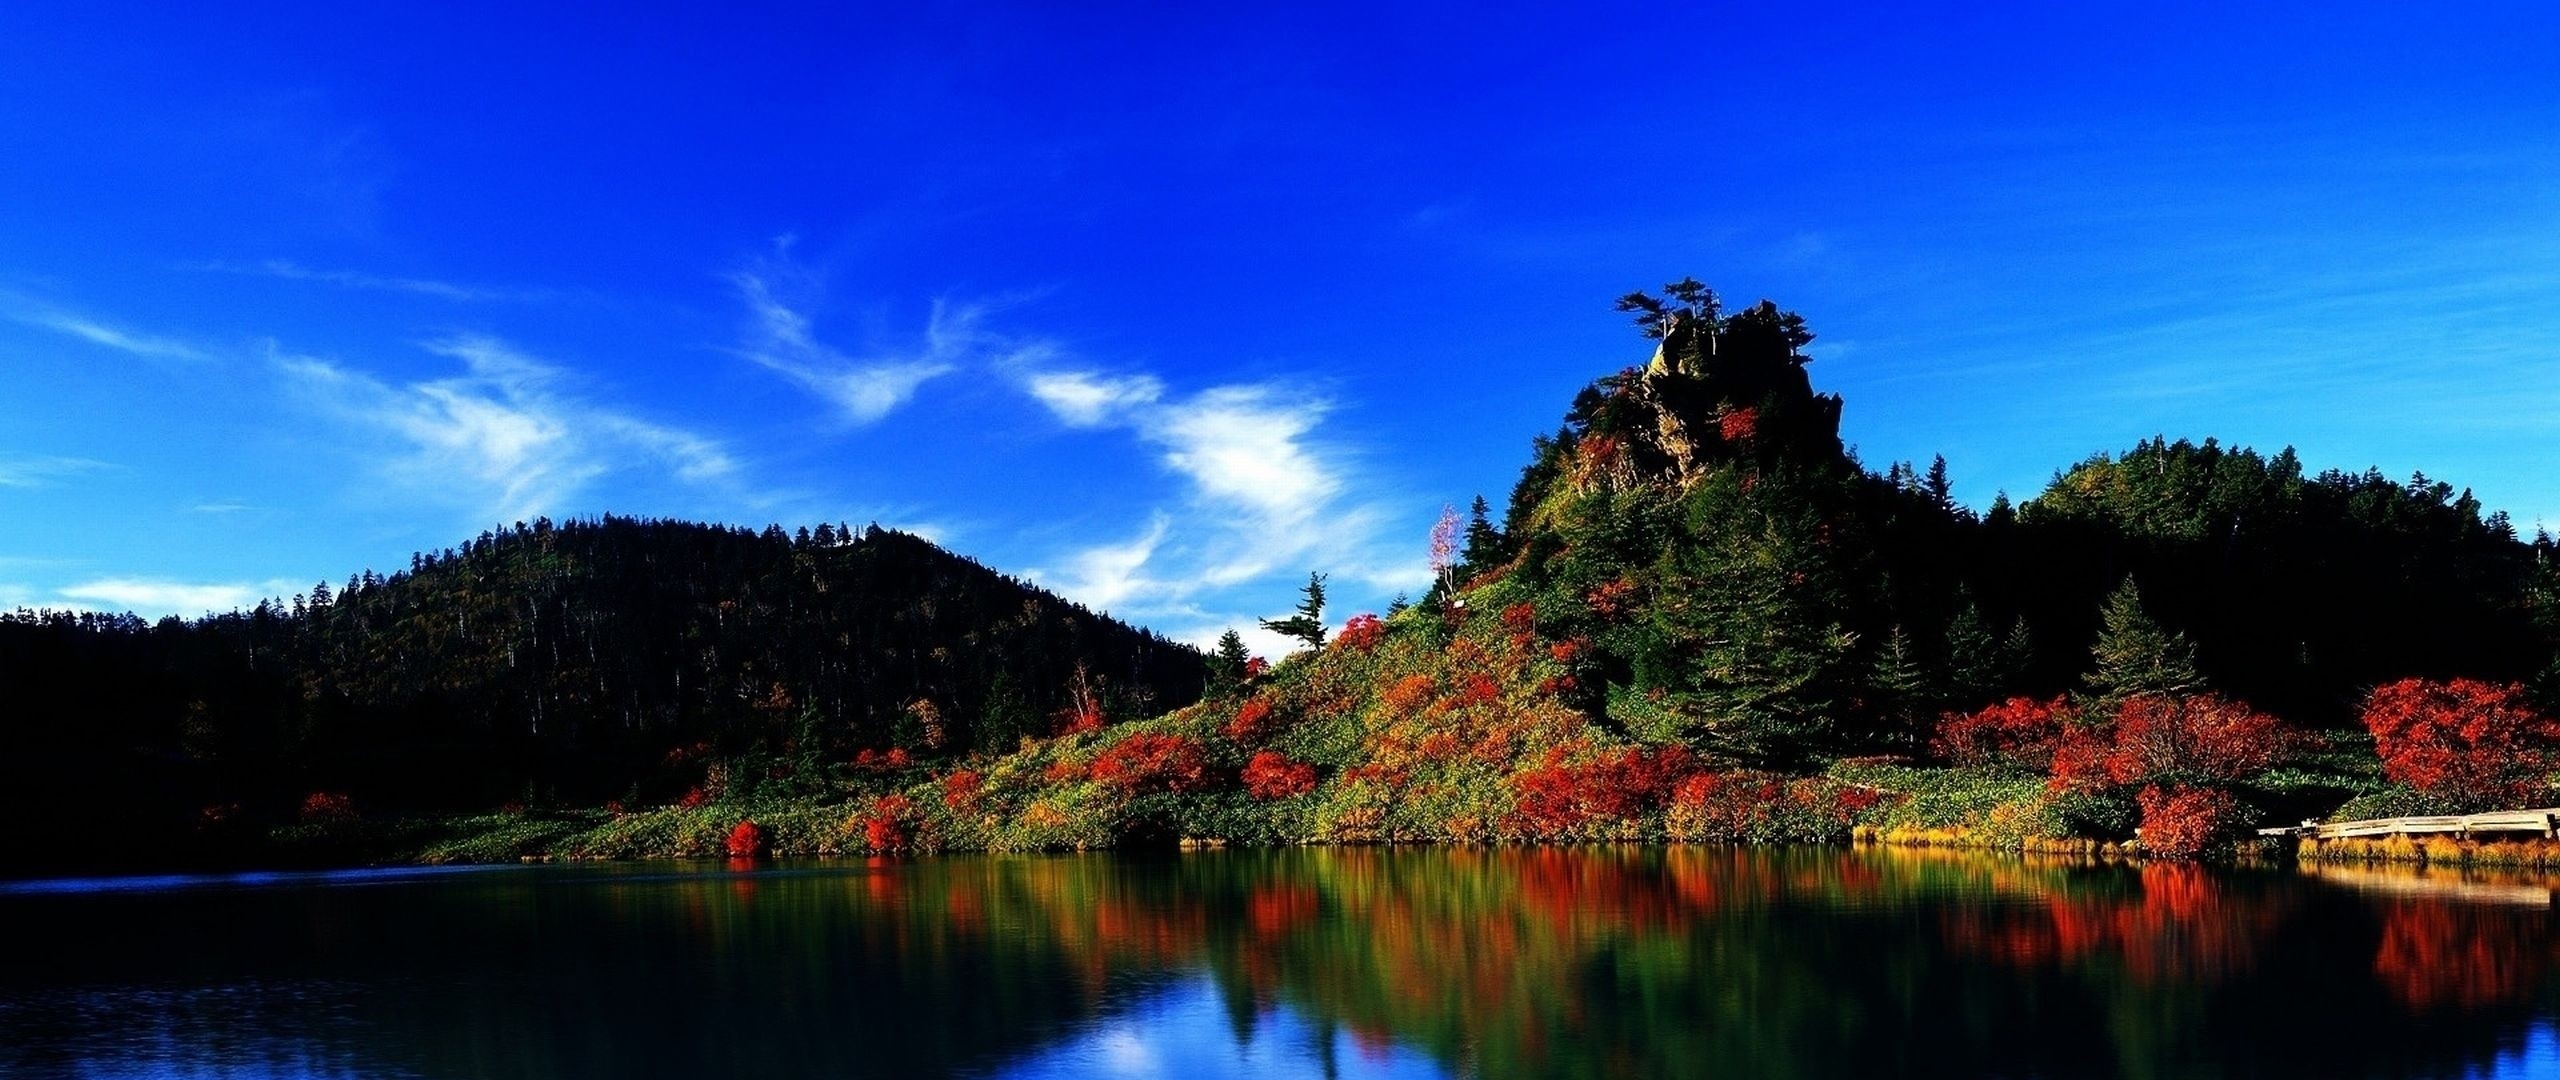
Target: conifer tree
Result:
[2135, 655]
[1308, 624]
[1973, 656]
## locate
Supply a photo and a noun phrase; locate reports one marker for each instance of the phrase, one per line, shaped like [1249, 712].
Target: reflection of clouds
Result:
[1189, 1031]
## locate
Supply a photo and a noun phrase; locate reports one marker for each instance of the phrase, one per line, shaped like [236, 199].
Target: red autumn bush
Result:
[694, 799]
[1254, 667]
[746, 841]
[876, 761]
[960, 789]
[1411, 693]
[1253, 722]
[327, 807]
[1147, 762]
[2181, 822]
[1739, 425]
[1520, 618]
[1556, 796]
[2020, 731]
[2157, 739]
[2476, 744]
[1362, 633]
[884, 826]
[1272, 775]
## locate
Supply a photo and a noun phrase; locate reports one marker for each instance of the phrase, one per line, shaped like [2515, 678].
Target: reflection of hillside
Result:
[1494, 962]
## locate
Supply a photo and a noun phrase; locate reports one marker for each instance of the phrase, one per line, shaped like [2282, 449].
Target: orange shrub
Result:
[746, 841]
[1271, 775]
[1362, 633]
[1146, 762]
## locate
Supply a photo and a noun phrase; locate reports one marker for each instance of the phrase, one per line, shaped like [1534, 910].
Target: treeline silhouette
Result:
[548, 663]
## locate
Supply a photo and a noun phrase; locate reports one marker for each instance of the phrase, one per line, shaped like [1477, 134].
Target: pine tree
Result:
[1226, 663]
[2135, 655]
[1902, 687]
[1308, 624]
[1973, 656]
[1486, 546]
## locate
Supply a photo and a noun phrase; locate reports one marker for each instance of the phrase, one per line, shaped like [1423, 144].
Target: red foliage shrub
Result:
[1477, 690]
[1566, 652]
[1725, 805]
[884, 827]
[615, 808]
[1253, 722]
[875, 761]
[1255, 666]
[2019, 731]
[1146, 762]
[746, 841]
[1739, 425]
[1362, 633]
[694, 798]
[323, 807]
[2478, 744]
[1520, 618]
[1612, 599]
[960, 789]
[2181, 822]
[1555, 796]
[2155, 739]
[1271, 775]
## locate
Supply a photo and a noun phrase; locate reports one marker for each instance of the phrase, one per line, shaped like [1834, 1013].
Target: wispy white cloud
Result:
[1265, 500]
[508, 438]
[35, 471]
[1085, 399]
[220, 508]
[163, 596]
[354, 279]
[26, 311]
[782, 337]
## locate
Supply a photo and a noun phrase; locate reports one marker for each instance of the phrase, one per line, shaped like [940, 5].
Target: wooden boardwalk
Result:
[2544, 822]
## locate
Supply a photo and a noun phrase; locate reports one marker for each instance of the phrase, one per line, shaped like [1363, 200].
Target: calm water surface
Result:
[1637, 962]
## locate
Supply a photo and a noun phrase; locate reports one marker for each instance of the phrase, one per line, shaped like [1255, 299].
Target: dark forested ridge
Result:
[572, 663]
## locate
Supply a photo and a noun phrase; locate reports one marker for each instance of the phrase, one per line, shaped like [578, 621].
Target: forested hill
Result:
[571, 662]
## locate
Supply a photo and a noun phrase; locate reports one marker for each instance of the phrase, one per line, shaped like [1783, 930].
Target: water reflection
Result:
[1640, 961]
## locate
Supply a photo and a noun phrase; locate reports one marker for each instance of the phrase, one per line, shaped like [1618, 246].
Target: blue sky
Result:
[1168, 306]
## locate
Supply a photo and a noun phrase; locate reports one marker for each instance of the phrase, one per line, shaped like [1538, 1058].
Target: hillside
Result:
[545, 664]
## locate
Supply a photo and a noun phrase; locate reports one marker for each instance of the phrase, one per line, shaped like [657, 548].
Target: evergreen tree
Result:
[1227, 663]
[1973, 656]
[1903, 692]
[1486, 547]
[2135, 655]
[1307, 624]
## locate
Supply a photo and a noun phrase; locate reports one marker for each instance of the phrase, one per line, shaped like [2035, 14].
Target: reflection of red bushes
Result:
[1271, 775]
[2019, 731]
[2477, 743]
[2180, 822]
[1362, 633]
[1146, 762]
[746, 841]
[2436, 954]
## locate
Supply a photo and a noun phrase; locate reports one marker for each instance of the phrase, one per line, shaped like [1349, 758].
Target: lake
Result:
[1365, 962]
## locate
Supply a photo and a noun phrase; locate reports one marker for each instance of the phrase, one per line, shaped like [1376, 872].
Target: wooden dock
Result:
[2544, 822]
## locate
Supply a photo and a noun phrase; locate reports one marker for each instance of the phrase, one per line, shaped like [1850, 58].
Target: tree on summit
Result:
[1308, 624]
